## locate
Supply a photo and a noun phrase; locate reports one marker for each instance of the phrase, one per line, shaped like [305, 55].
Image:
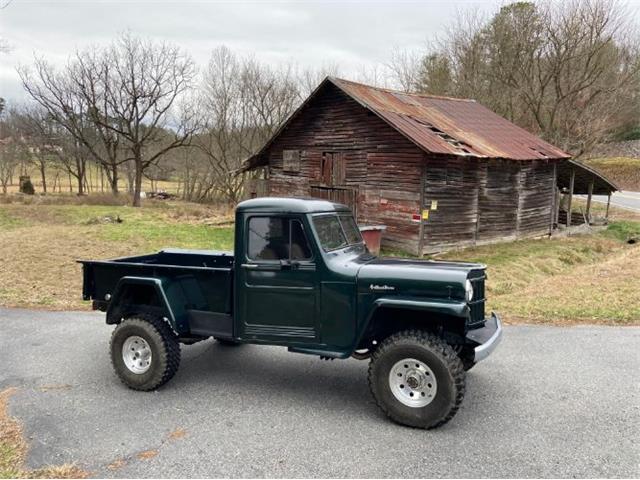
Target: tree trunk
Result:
[138, 179]
[112, 177]
[80, 179]
[44, 177]
[113, 182]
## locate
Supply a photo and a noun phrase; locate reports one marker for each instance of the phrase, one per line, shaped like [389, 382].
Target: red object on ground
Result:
[372, 235]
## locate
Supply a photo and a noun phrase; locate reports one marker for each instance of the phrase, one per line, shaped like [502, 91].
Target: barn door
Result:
[333, 170]
[332, 182]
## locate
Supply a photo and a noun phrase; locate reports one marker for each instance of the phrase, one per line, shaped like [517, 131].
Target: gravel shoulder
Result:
[550, 402]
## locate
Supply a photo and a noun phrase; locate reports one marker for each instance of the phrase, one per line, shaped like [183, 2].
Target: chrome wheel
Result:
[413, 383]
[136, 354]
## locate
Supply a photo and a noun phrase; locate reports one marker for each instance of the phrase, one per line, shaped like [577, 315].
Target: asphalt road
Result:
[628, 200]
[550, 402]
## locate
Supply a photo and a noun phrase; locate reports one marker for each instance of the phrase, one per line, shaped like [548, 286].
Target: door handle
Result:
[289, 264]
[262, 266]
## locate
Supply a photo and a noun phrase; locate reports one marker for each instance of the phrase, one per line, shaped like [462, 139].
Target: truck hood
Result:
[416, 278]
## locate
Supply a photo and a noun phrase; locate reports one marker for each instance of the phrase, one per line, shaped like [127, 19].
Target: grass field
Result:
[39, 243]
[58, 182]
[579, 279]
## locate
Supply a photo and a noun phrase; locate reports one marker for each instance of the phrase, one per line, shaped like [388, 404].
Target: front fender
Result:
[170, 299]
[438, 308]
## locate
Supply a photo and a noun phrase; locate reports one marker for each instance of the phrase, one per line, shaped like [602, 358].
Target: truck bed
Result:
[202, 279]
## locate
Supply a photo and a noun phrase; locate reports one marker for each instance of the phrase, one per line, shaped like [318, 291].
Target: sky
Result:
[353, 35]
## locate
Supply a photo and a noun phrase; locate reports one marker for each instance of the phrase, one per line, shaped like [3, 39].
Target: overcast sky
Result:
[352, 35]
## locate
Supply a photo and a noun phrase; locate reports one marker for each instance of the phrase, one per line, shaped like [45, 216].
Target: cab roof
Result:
[290, 205]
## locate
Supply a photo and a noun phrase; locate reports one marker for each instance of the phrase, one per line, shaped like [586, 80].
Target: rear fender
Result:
[389, 315]
[134, 294]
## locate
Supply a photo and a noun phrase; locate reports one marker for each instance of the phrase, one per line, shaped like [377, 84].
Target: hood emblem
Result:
[381, 287]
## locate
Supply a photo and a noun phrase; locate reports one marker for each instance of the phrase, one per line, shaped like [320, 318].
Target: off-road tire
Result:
[439, 357]
[165, 351]
[467, 364]
[227, 343]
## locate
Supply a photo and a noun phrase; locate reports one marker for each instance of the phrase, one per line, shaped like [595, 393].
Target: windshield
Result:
[336, 231]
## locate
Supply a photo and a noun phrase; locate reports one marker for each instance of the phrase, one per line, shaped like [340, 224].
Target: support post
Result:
[554, 187]
[589, 195]
[571, 184]
[606, 215]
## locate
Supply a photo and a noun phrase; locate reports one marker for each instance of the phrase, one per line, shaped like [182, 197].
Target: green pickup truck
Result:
[301, 277]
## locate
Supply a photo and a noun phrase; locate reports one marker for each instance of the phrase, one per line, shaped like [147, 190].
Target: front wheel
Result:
[145, 352]
[417, 379]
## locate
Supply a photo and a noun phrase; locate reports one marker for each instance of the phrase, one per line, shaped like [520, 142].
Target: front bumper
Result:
[486, 338]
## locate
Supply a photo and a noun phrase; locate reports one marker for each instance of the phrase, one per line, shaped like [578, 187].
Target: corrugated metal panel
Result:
[450, 125]
[584, 175]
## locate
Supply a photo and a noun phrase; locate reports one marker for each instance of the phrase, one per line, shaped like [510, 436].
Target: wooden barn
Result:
[438, 172]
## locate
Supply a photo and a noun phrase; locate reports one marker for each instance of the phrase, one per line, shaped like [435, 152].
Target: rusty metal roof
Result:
[450, 125]
[584, 175]
[441, 125]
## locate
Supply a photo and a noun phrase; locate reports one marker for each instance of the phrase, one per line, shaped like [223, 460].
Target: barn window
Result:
[333, 169]
[291, 160]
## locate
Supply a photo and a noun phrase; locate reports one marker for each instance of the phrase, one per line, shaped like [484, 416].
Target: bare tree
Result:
[120, 102]
[39, 131]
[67, 107]
[404, 68]
[244, 102]
[569, 71]
[10, 152]
[75, 98]
[144, 85]
[308, 79]
[14, 151]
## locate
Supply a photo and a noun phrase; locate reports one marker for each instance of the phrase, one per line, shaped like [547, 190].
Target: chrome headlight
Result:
[468, 287]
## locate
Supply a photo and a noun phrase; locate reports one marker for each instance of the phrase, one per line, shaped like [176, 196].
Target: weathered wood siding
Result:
[536, 192]
[382, 168]
[384, 177]
[484, 201]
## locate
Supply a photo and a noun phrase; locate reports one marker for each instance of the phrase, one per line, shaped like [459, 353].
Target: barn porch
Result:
[575, 178]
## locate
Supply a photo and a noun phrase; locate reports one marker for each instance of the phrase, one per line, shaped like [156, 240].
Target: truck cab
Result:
[301, 277]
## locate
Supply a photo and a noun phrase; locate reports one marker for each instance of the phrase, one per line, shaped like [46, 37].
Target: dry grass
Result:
[147, 454]
[13, 450]
[177, 434]
[39, 244]
[606, 292]
[587, 278]
[93, 180]
[623, 171]
[117, 464]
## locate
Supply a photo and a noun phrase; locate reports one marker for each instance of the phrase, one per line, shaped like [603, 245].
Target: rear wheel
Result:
[145, 352]
[417, 379]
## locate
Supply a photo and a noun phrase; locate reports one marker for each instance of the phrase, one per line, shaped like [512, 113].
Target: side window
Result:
[277, 238]
[300, 249]
[268, 238]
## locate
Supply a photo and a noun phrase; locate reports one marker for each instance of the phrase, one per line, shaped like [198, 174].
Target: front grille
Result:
[476, 306]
